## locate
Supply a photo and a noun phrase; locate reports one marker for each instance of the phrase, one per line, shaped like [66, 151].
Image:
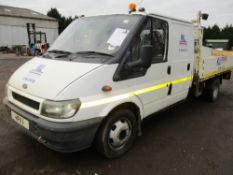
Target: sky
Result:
[220, 11]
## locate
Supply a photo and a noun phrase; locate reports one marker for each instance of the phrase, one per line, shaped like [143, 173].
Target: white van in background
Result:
[104, 75]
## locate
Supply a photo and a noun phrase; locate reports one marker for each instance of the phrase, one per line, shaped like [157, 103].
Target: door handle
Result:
[169, 89]
[169, 70]
[188, 66]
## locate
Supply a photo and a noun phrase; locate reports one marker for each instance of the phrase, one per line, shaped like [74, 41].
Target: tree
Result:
[53, 12]
[227, 33]
[62, 20]
[215, 32]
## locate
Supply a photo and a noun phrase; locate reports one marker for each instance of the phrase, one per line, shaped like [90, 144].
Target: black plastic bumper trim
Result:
[60, 136]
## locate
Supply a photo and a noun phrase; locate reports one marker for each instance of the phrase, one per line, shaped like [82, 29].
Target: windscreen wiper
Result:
[94, 53]
[59, 51]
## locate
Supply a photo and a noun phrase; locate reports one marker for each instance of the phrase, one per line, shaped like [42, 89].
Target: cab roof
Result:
[150, 14]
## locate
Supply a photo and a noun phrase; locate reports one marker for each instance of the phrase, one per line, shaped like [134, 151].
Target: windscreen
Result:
[104, 34]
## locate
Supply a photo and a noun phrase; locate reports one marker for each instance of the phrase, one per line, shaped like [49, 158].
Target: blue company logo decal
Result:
[34, 73]
[38, 70]
[221, 60]
[29, 80]
[183, 43]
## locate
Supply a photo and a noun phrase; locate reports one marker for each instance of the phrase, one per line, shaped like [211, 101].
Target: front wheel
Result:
[117, 133]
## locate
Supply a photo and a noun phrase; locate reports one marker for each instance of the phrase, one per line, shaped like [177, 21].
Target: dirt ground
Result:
[193, 138]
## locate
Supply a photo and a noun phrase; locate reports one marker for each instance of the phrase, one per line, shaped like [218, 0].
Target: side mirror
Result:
[145, 58]
[146, 55]
[204, 16]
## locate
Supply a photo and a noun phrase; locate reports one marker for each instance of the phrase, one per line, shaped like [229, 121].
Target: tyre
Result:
[212, 90]
[117, 133]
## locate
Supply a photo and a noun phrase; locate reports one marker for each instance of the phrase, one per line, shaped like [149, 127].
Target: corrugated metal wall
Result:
[13, 35]
[13, 31]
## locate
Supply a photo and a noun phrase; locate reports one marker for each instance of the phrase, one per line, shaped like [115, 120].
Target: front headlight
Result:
[60, 109]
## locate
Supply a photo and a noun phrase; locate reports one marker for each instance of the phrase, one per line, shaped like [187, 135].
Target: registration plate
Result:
[20, 120]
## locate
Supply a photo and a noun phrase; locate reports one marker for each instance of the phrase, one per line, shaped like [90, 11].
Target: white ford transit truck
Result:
[105, 74]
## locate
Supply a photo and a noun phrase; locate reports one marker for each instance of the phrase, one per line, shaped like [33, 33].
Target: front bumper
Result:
[62, 137]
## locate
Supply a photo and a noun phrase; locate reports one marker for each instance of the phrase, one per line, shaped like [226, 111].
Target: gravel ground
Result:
[193, 138]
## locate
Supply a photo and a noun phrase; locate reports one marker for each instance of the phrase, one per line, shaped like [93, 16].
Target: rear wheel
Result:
[212, 90]
[117, 134]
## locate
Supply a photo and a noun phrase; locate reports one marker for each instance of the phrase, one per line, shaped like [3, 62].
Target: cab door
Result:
[148, 84]
[181, 56]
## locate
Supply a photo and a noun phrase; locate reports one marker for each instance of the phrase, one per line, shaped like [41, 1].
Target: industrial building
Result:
[218, 43]
[22, 27]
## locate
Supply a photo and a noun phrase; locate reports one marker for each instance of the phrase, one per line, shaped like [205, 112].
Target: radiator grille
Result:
[26, 101]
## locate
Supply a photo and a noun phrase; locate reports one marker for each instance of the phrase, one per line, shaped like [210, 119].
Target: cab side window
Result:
[159, 40]
[155, 33]
[143, 38]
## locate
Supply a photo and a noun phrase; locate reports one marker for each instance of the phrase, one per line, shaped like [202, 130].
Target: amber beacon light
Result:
[132, 7]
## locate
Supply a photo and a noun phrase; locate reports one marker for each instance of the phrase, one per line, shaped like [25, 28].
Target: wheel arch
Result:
[128, 105]
[132, 106]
